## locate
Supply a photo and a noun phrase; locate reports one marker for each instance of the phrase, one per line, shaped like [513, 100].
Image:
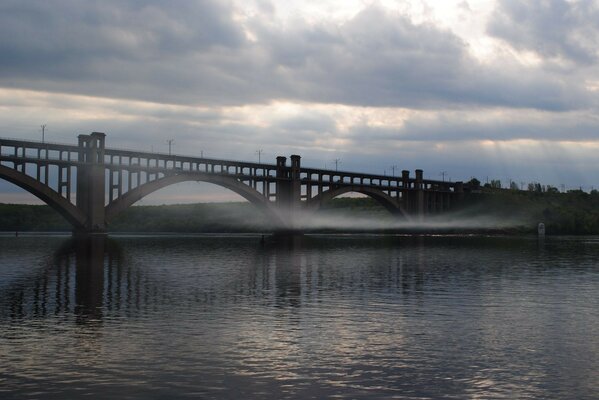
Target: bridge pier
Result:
[420, 198]
[289, 188]
[405, 192]
[296, 184]
[91, 183]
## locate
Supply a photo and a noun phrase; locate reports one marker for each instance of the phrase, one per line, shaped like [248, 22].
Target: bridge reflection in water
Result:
[71, 281]
[92, 277]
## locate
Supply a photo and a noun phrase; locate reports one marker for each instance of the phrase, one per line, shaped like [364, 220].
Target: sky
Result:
[500, 89]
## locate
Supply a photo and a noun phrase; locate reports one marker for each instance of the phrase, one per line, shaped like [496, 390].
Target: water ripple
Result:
[355, 317]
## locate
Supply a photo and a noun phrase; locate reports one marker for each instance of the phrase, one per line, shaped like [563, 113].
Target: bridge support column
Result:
[459, 191]
[282, 188]
[283, 192]
[296, 183]
[405, 192]
[419, 194]
[91, 181]
[289, 188]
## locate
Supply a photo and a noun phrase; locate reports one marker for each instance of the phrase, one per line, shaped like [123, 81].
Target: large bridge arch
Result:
[381, 197]
[43, 192]
[245, 191]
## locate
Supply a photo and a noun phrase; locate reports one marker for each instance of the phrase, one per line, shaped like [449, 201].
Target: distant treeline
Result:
[210, 217]
[574, 212]
[200, 217]
[571, 213]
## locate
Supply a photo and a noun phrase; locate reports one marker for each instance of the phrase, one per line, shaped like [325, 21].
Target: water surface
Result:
[312, 317]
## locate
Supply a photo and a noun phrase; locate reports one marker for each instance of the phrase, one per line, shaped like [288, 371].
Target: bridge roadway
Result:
[90, 184]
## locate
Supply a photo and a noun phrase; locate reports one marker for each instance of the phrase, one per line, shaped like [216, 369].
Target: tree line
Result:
[571, 212]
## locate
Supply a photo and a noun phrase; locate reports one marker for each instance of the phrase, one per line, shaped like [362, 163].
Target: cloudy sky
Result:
[499, 89]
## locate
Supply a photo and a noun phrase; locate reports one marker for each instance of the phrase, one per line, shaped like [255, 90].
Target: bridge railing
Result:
[178, 157]
[31, 151]
[33, 143]
[365, 179]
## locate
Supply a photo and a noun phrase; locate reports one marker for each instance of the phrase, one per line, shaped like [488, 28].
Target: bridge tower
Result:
[296, 184]
[289, 188]
[405, 194]
[91, 181]
[419, 194]
[282, 186]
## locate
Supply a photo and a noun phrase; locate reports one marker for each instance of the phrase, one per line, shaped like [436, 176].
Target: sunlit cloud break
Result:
[488, 89]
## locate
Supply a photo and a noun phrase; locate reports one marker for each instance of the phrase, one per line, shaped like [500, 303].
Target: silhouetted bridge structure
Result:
[90, 184]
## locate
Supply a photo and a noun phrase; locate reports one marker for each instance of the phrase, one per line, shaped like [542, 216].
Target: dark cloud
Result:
[554, 29]
[187, 52]
[383, 59]
[132, 49]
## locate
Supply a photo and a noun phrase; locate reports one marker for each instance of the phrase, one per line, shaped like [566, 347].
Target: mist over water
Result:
[384, 221]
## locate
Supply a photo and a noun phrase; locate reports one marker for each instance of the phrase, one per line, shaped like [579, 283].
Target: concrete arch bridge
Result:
[89, 184]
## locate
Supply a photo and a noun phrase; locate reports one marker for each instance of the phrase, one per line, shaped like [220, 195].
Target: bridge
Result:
[90, 185]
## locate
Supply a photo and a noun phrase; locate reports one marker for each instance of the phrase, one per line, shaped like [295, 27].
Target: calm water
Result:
[313, 317]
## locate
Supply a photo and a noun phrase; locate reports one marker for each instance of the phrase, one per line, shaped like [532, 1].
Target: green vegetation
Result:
[572, 213]
[575, 212]
[201, 217]
[20, 217]
[211, 217]
[355, 207]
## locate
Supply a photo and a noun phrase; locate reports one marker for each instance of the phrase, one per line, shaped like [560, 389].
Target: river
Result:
[318, 316]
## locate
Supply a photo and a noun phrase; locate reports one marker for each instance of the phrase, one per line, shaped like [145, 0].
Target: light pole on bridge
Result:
[170, 144]
[337, 161]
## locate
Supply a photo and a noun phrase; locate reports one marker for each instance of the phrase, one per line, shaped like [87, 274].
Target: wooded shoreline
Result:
[571, 213]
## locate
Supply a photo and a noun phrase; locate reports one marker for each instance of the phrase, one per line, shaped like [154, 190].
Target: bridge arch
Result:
[381, 197]
[252, 195]
[43, 192]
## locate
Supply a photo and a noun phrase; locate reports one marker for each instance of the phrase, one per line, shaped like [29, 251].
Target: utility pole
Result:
[259, 152]
[337, 161]
[443, 173]
[170, 144]
[43, 132]
[393, 170]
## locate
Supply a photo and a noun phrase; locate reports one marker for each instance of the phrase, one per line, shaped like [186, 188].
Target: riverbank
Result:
[490, 211]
